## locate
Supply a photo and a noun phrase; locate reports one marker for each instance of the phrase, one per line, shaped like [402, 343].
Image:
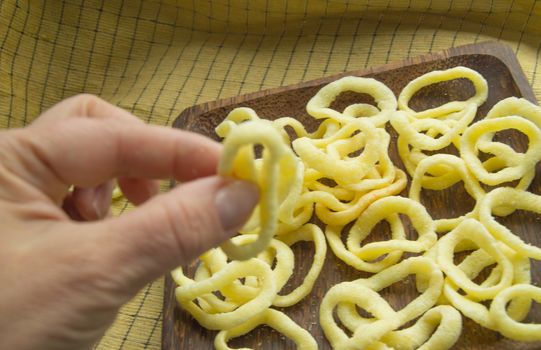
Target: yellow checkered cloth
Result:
[155, 58]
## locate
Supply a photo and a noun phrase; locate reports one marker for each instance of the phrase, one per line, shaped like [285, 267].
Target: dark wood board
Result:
[496, 62]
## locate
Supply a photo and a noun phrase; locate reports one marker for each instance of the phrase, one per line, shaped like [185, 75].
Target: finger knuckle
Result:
[188, 226]
[87, 103]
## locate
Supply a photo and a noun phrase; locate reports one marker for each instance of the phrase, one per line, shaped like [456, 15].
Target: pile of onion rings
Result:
[342, 174]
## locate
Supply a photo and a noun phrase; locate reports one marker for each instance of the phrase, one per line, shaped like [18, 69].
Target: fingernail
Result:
[235, 202]
[102, 199]
[97, 205]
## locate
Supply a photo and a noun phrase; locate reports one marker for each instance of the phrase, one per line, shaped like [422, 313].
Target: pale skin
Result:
[66, 264]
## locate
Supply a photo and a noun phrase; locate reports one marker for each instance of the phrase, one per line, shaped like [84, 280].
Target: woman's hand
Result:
[66, 265]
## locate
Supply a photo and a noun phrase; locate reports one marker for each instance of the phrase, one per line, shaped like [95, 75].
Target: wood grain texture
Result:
[497, 63]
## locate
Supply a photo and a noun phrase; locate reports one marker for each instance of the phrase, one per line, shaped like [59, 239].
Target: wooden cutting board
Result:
[496, 62]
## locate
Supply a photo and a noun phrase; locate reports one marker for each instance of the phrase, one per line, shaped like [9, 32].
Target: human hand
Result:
[64, 271]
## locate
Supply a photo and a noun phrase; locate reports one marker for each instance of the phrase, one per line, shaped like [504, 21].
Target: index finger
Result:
[86, 152]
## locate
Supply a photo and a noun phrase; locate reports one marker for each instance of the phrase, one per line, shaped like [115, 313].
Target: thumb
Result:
[175, 227]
